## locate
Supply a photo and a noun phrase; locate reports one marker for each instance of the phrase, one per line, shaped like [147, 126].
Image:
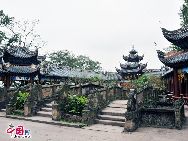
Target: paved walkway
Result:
[46, 132]
[98, 132]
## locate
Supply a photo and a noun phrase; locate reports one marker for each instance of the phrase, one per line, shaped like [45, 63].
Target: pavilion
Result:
[176, 78]
[132, 69]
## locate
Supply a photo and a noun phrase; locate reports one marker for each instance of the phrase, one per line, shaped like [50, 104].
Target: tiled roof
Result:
[130, 66]
[177, 37]
[21, 70]
[173, 61]
[20, 56]
[77, 73]
[21, 52]
[133, 58]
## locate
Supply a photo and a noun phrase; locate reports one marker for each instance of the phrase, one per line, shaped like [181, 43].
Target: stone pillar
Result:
[132, 114]
[179, 115]
[56, 113]
[27, 109]
[178, 119]
[131, 121]
[9, 109]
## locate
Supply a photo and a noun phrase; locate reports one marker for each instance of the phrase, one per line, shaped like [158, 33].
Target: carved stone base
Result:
[56, 115]
[27, 109]
[130, 126]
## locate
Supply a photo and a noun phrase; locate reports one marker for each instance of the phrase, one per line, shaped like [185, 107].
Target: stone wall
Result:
[145, 108]
[99, 100]
[96, 102]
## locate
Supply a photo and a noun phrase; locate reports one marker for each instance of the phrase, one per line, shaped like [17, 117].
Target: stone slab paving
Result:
[45, 120]
[104, 128]
[46, 132]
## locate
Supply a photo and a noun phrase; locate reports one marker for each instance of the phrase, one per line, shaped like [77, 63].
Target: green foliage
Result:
[141, 82]
[66, 58]
[5, 22]
[21, 99]
[74, 104]
[149, 80]
[18, 112]
[184, 13]
[5, 19]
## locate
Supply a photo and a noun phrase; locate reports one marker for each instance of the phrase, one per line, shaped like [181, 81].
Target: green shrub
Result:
[21, 99]
[74, 104]
[149, 80]
[18, 112]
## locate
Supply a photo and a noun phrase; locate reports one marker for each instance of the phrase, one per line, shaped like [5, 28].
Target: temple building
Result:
[176, 78]
[132, 69]
[20, 64]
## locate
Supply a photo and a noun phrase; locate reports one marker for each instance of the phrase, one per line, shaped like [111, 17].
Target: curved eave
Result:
[128, 66]
[136, 58]
[22, 71]
[133, 71]
[176, 61]
[20, 60]
[177, 37]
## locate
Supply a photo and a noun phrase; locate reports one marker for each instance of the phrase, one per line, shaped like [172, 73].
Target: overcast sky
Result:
[104, 30]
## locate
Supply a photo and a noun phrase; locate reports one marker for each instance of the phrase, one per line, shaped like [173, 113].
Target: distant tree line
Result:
[66, 58]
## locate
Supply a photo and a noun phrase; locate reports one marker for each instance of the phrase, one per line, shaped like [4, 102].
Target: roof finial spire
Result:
[133, 46]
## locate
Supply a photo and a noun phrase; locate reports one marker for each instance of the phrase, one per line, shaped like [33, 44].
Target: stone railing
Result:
[146, 108]
[96, 102]
[39, 95]
[42, 94]
[12, 98]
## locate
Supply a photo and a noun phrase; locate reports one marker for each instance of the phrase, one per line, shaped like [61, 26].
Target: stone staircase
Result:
[46, 111]
[113, 114]
[3, 110]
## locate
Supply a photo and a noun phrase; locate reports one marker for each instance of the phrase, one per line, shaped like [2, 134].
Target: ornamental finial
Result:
[132, 46]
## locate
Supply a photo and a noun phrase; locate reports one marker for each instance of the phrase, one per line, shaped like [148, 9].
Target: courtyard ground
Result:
[46, 132]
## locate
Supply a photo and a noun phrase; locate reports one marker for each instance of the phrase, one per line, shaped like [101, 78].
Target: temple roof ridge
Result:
[178, 37]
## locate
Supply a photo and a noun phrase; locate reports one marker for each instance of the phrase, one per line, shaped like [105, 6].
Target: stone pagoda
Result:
[132, 69]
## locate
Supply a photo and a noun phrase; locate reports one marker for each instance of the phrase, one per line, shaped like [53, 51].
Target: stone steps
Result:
[113, 118]
[3, 110]
[113, 114]
[49, 105]
[117, 106]
[110, 122]
[46, 111]
[44, 114]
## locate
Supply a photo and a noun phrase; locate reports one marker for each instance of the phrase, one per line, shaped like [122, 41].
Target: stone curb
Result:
[46, 122]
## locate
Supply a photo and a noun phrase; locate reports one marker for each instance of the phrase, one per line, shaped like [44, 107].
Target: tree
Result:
[184, 13]
[5, 23]
[66, 58]
[19, 33]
